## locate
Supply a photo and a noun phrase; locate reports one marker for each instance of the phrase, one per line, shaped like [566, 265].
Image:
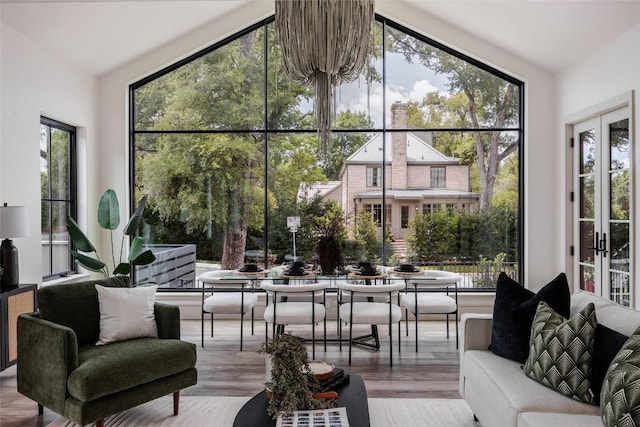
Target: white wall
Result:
[607, 73]
[35, 83]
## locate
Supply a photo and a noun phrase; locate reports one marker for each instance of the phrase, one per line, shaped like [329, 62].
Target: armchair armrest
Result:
[47, 354]
[167, 320]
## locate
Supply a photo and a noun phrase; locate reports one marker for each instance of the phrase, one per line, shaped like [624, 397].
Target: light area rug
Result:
[198, 411]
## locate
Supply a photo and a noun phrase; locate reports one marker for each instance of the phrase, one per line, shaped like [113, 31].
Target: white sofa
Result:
[501, 395]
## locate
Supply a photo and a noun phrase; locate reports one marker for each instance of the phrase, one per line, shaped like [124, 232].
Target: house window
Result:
[451, 207]
[426, 208]
[438, 177]
[374, 176]
[376, 212]
[404, 216]
[58, 192]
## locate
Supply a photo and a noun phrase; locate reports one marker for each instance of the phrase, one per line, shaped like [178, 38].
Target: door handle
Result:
[596, 244]
[603, 244]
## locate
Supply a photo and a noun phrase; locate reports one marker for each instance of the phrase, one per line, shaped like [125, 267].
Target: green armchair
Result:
[61, 368]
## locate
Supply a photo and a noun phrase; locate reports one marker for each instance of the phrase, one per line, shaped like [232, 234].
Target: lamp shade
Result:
[14, 222]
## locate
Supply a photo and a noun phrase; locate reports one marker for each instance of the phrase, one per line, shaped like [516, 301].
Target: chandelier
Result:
[324, 43]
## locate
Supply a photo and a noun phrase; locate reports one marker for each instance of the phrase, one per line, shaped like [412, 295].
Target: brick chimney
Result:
[399, 147]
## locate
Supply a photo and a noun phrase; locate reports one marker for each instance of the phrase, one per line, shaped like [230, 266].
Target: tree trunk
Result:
[235, 236]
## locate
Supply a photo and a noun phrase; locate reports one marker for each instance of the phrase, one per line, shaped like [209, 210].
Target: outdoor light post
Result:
[293, 222]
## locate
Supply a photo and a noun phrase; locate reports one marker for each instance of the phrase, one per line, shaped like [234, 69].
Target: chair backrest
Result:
[75, 305]
[371, 290]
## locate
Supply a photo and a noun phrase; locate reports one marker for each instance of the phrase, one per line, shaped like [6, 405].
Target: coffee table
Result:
[352, 395]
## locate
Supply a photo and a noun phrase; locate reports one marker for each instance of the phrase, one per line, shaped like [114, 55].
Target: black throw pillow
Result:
[606, 345]
[513, 313]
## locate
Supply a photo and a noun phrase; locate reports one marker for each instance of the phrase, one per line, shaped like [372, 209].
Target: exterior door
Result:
[603, 209]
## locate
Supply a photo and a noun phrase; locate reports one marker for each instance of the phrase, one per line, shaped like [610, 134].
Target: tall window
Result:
[58, 192]
[438, 177]
[225, 146]
[404, 216]
[374, 176]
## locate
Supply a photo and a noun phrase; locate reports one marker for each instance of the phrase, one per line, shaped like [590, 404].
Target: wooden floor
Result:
[223, 370]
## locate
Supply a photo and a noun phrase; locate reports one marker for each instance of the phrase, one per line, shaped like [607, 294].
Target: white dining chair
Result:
[363, 306]
[433, 292]
[224, 294]
[286, 305]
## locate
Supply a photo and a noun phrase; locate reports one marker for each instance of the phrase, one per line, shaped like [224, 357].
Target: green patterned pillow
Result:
[560, 351]
[620, 395]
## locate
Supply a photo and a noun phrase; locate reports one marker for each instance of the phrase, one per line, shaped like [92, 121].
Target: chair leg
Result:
[447, 325]
[457, 338]
[251, 320]
[241, 329]
[350, 337]
[416, 330]
[406, 321]
[40, 409]
[202, 329]
[390, 343]
[176, 402]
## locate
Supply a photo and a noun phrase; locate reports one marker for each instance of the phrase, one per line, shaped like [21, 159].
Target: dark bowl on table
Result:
[369, 270]
[365, 264]
[250, 268]
[406, 268]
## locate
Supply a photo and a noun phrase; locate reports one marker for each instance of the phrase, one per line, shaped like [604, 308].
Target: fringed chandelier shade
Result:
[324, 43]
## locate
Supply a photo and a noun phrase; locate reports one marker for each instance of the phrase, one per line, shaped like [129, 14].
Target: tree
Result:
[365, 231]
[491, 102]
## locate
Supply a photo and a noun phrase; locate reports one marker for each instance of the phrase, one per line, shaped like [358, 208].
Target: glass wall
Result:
[425, 142]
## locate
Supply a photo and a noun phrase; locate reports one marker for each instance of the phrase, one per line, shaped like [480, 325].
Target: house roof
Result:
[308, 191]
[432, 193]
[418, 152]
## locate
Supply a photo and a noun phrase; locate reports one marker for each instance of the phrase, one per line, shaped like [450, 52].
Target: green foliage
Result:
[291, 377]
[444, 235]
[365, 231]
[109, 219]
[329, 233]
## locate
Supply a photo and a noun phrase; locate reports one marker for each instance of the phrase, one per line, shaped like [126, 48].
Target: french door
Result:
[603, 230]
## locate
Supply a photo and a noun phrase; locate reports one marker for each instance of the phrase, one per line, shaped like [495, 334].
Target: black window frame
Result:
[72, 192]
[386, 23]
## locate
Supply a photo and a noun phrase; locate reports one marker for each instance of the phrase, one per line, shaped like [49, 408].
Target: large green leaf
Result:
[145, 258]
[80, 241]
[109, 210]
[87, 262]
[123, 268]
[137, 256]
[134, 222]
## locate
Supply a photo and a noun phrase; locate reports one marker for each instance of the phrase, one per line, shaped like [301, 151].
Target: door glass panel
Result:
[587, 207]
[587, 278]
[619, 140]
[619, 290]
[586, 241]
[619, 246]
[587, 151]
[619, 195]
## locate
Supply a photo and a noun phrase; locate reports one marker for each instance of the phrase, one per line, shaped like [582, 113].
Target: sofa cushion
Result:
[606, 345]
[104, 370]
[560, 351]
[546, 419]
[615, 316]
[513, 313]
[503, 391]
[75, 305]
[620, 395]
[126, 313]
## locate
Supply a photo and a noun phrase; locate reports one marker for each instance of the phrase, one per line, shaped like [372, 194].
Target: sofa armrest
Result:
[475, 331]
[475, 334]
[47, 354]
[168, 320]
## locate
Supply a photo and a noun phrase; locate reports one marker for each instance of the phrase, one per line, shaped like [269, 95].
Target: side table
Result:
[13, 302]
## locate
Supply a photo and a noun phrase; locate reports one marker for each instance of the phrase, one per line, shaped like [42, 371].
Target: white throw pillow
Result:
[126, 313]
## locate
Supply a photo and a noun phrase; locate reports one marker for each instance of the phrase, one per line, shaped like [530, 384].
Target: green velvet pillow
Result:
[561, 351]
[620, 395]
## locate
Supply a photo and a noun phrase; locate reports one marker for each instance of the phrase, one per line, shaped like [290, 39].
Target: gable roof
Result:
[418, 152]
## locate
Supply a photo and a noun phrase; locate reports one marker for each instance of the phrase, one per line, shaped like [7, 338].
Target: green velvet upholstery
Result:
[60, 367]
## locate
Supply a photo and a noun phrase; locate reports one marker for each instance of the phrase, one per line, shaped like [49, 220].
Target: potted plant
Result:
[329, 233]
[290, 379]
[109, 219]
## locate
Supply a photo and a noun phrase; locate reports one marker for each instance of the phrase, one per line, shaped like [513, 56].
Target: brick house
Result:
[419, 178]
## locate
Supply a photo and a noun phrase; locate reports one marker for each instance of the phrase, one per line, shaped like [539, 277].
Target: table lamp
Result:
[14, 222]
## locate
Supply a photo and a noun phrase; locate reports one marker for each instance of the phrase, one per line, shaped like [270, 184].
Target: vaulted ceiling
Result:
[100, 35]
